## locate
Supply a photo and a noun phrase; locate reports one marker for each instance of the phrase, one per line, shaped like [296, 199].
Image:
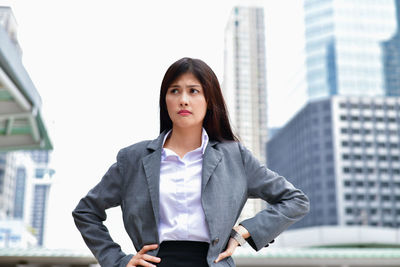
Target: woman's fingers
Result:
[147, 248]
[147, 257]
[143, 259]
[223, 255]
[232, 244]
[144, 263]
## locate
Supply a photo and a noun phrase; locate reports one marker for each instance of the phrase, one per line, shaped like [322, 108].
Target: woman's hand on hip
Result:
[143, 259]
[230, 248]
[232, 243]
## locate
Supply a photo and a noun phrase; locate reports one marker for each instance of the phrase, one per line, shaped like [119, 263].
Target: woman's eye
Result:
[174, 91]
[194, 91]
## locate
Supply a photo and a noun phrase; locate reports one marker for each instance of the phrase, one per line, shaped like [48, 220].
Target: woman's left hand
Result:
[232, 243]
[230, 248]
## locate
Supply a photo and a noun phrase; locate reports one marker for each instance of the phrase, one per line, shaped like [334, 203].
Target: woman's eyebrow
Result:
[190, 85]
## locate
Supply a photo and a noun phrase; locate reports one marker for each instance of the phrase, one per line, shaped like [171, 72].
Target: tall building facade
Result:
[344, 153]
[43, 180]
[244, 84]
[391, 58]
[352, 47]
[24, 193]
[7, 185]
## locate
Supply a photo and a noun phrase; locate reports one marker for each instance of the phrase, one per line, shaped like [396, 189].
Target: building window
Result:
[383, 171]
[359, 183]
[384, 184]
[381, 158]
[368, 144]
[39, 173]
[394, 157]
[328, 144]
[366, 131]
[394, 145]
[381, 144]
[329, 171]
[366, 119]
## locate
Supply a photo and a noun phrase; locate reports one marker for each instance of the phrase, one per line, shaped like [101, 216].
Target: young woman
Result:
[182, 193]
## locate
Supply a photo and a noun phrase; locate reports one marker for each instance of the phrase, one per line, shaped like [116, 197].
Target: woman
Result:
[182, 193]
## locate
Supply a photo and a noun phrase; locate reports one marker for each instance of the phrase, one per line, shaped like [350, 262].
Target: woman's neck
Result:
[183, 140]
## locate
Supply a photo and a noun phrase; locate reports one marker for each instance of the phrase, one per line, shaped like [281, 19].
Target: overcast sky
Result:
[98, 67]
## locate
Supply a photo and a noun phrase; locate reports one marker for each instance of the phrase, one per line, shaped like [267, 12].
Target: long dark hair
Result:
[216, 120]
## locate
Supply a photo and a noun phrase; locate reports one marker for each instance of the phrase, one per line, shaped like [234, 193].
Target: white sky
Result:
[98, 67]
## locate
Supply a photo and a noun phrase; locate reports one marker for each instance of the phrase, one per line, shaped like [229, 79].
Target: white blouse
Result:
[181, 212]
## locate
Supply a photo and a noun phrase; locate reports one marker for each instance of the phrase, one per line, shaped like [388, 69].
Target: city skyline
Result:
[89, 118]
[342, 148]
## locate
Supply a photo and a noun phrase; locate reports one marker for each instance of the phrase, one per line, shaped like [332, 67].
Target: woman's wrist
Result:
[242, 231]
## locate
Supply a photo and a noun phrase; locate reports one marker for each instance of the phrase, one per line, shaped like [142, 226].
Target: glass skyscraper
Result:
[391, 57]
[244, 85]
[352, 47]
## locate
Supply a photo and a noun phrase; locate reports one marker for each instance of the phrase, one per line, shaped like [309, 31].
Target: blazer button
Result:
[215, 241]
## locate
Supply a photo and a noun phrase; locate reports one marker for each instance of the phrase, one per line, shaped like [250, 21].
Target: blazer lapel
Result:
[211, 158]
[151, 165]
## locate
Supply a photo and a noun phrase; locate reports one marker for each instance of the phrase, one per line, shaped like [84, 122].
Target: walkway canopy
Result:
[21, 124]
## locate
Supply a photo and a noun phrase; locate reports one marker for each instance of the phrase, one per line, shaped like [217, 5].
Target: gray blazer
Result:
[231, 175]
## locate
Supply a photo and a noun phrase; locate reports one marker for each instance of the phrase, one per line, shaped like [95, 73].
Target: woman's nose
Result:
[184, 100]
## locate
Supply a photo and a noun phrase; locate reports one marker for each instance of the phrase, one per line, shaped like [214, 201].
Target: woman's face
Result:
[185, 101]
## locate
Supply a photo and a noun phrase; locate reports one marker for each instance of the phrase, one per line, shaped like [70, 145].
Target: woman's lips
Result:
[184, 112]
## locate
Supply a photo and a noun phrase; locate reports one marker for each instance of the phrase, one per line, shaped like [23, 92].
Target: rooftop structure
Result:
[21, 123]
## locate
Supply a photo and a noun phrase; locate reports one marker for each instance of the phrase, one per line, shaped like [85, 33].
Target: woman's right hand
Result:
[142, 259]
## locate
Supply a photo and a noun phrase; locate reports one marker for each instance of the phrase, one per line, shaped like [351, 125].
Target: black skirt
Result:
[183, 254]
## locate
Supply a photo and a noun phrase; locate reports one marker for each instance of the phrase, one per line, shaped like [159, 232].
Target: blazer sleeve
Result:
[90, 213]
[287, 204]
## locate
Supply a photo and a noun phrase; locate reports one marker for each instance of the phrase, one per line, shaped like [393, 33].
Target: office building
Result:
[352, 47]
[344, 153]
[41, 189]
[7, 185]
[25, 190]
[244, 84]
